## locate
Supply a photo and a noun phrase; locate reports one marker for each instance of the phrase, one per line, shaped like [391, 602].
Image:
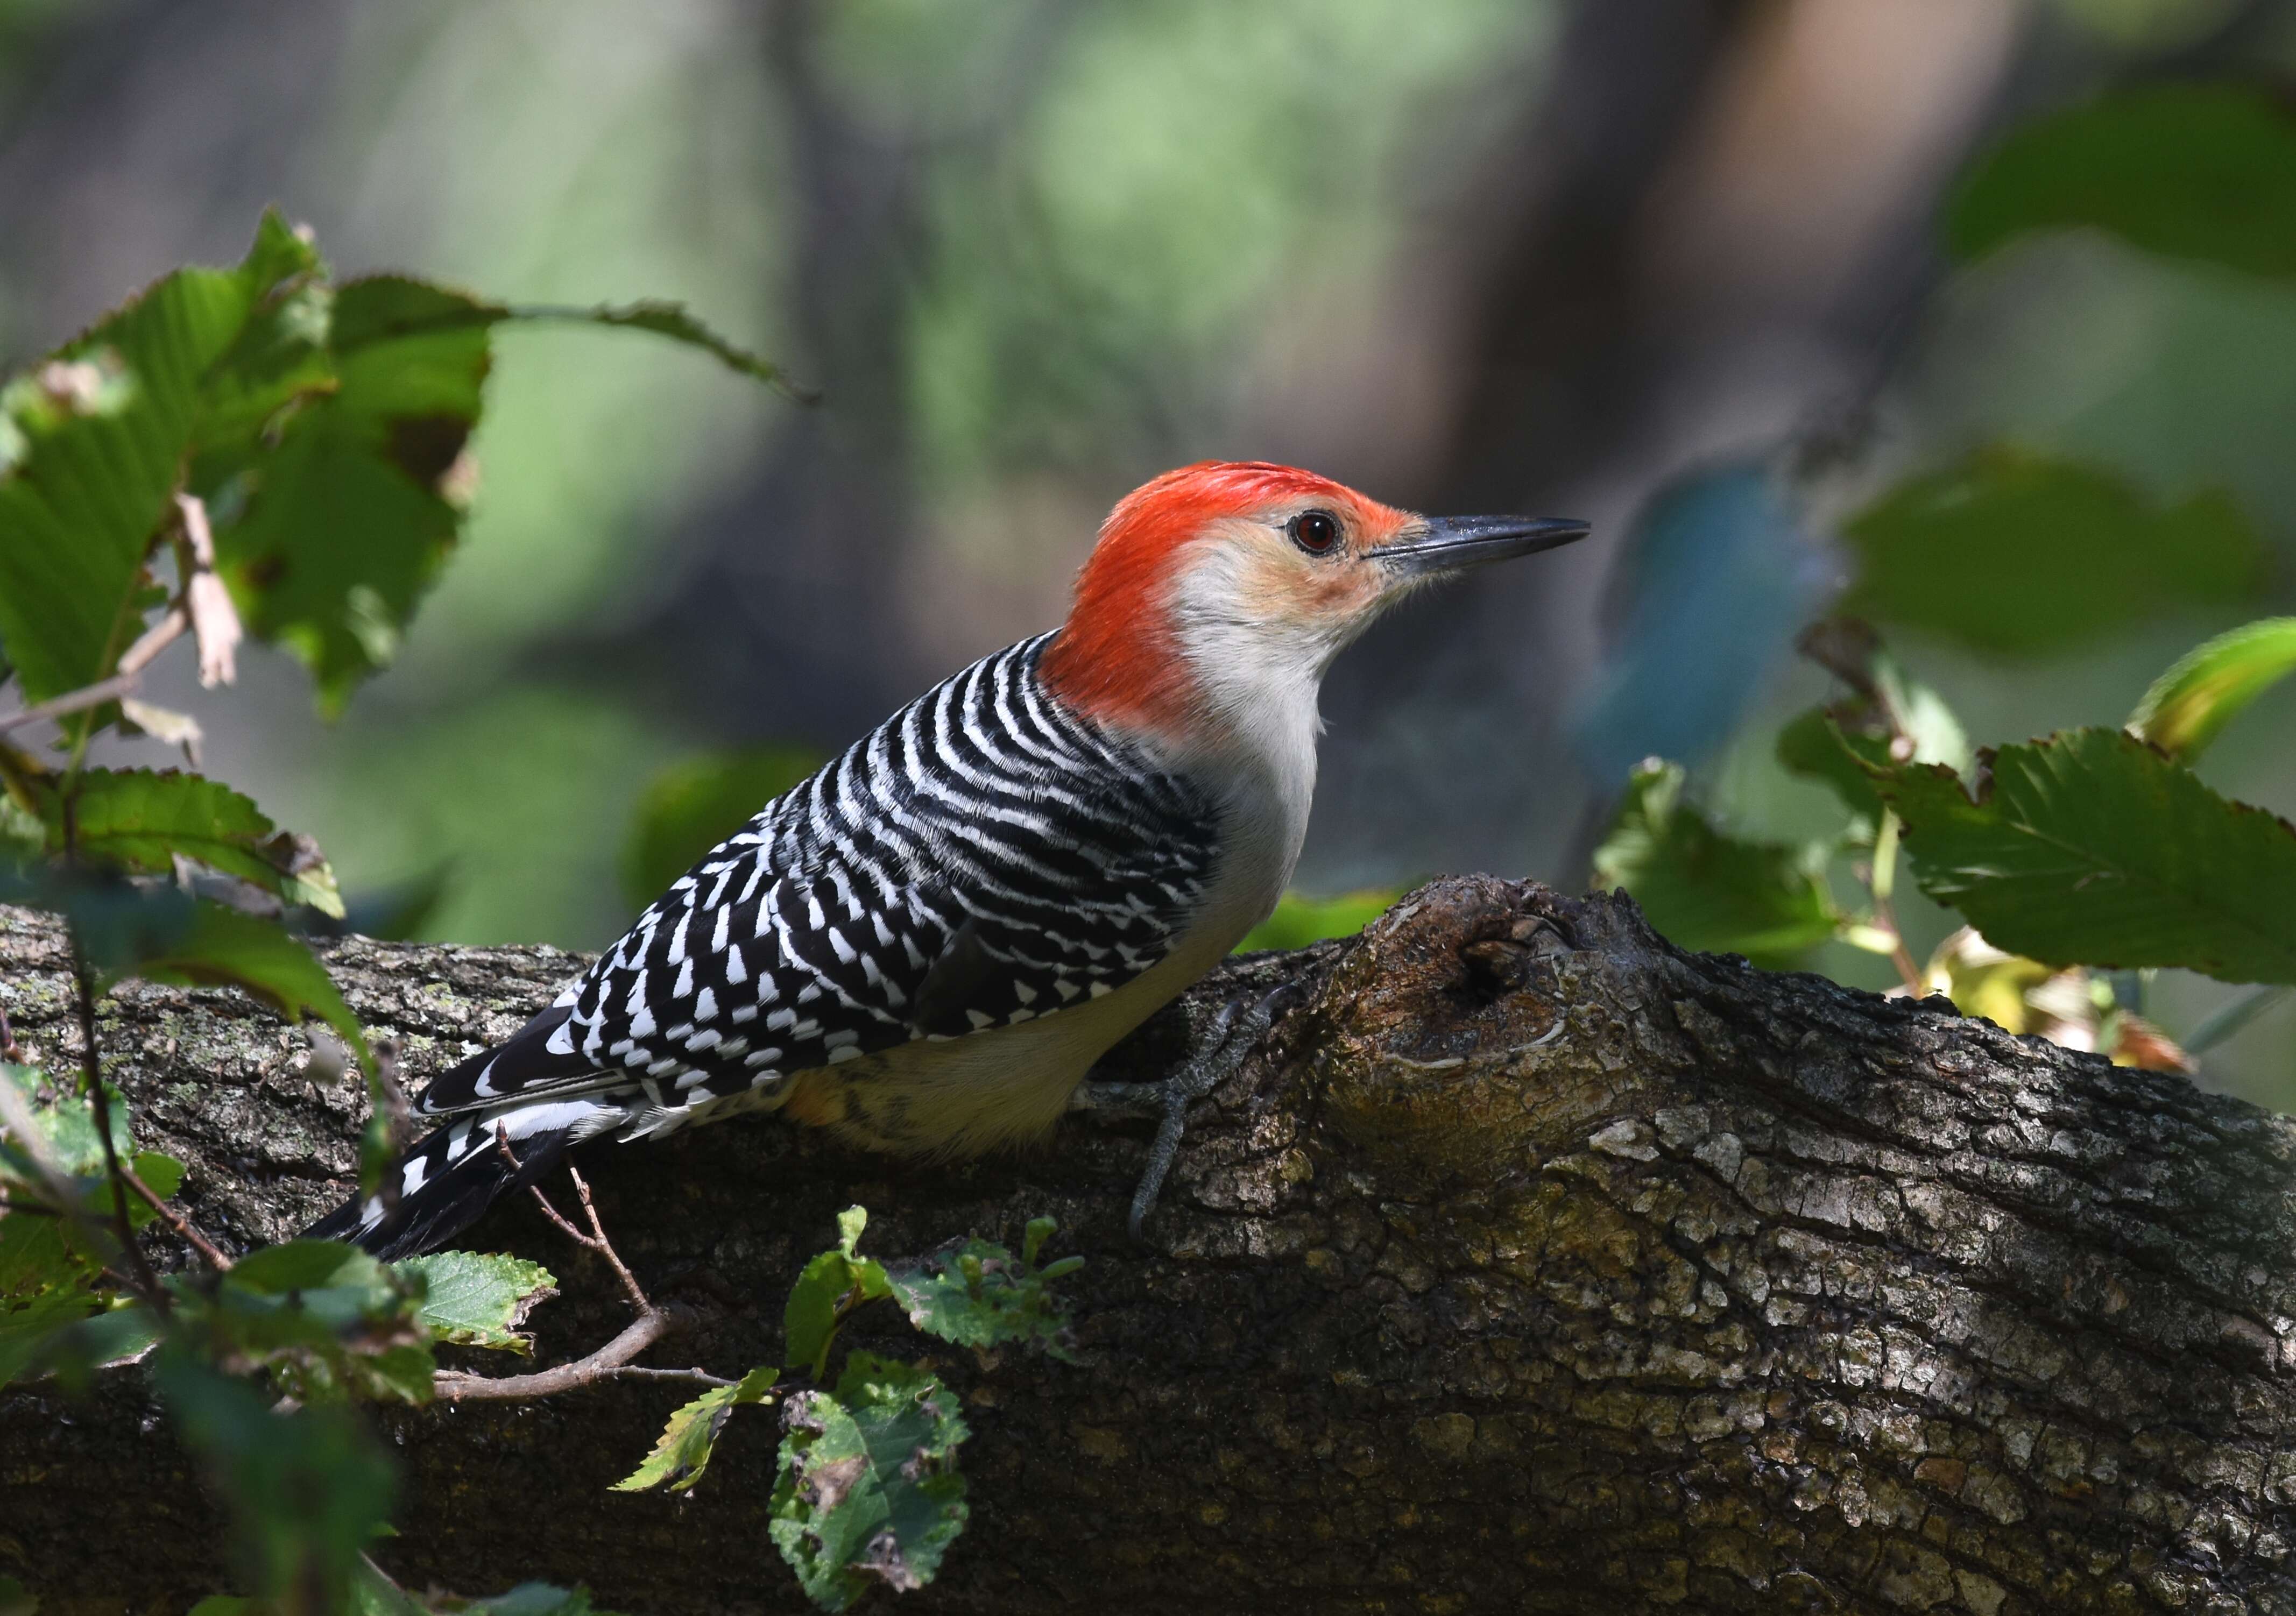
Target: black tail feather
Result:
[456, 1171]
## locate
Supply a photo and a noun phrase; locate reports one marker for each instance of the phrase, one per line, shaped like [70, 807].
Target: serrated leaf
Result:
[2090, 847]
[1299, 922]
[2200, 171]
[330, 536]
[478, 1300]
[99, 434]
[682, 1452]
[2019, 554]
[141, 819]
[2190, 705]
[976, 1293]
[691, 806]
[869, 1492]
[1707, 890]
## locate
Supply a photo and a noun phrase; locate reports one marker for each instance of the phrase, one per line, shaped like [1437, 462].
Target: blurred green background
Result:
[1469, 254]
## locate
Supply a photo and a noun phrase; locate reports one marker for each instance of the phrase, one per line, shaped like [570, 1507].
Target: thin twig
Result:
[123, 683]
[609, 1362]
[100, 1103]
[606, 1247]
[216, 1258]
[595, 1240]
[154, 640]
[73, 701]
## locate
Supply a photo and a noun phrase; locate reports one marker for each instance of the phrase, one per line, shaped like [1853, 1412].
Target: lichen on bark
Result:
[1533, 1265]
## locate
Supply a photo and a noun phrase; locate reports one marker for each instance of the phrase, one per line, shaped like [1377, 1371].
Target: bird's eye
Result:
[1316, 532]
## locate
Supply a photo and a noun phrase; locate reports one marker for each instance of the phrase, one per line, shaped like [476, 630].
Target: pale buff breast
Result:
[967, 1097]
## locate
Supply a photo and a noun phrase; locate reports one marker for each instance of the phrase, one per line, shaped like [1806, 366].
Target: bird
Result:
[924, 947]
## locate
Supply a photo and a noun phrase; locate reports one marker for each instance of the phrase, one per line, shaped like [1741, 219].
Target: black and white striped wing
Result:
[985, 857]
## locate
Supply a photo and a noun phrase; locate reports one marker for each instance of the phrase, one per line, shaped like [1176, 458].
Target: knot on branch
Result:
[1481, 1024]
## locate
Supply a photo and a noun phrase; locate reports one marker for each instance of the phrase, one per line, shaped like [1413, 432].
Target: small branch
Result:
[609, 1362]
[154, 640]
[595, 1240]
[100, 1103]
[65, 706]
[216, 1257]
[124, 682]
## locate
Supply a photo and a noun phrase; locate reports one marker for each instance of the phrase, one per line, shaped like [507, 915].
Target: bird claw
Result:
[1235, 1033]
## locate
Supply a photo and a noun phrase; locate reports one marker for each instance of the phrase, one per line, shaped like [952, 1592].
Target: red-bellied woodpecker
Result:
[925, 947]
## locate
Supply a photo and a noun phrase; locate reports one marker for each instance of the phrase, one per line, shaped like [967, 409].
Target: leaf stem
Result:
[216, 1258]
[100, 1103]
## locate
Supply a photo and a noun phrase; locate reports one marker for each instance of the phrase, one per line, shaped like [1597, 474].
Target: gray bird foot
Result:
[1235, 1032]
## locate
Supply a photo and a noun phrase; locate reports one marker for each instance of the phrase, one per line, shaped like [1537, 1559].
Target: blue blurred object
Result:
[1718, 574]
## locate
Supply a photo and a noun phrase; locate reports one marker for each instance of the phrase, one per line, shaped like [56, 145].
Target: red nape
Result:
[1116, 659]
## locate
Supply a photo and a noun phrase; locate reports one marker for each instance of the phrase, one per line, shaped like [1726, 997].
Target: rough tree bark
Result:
[1536, 1266]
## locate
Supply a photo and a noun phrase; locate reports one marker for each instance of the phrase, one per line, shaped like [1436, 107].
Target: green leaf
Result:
[2018, 554]
[691, 806]
[2090, 847]
[976, 1293]
[307, 1489]
[16, 1599]
[1818, 746]
[2204, 172]
[869, 1491]
[115, 1336]
[330, 537]
[2191, 703]
[474, 1300]
[139, 819]
[682, 1452]
[1299, 921]
[324, 1319]
[50, 1283]
[28, 1329]
[222, 947]
[830, 1286]
[1709, 891]
[66, 1121]
[322, 427]
[94, 446]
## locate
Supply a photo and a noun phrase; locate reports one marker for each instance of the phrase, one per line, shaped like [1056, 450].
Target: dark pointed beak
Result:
[1450, 544]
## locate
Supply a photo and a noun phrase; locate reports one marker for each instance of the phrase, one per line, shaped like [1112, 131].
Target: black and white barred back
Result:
[985, 857]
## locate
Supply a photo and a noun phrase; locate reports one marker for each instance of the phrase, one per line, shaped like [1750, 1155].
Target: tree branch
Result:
[1533, 1265]
[609, 1362]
